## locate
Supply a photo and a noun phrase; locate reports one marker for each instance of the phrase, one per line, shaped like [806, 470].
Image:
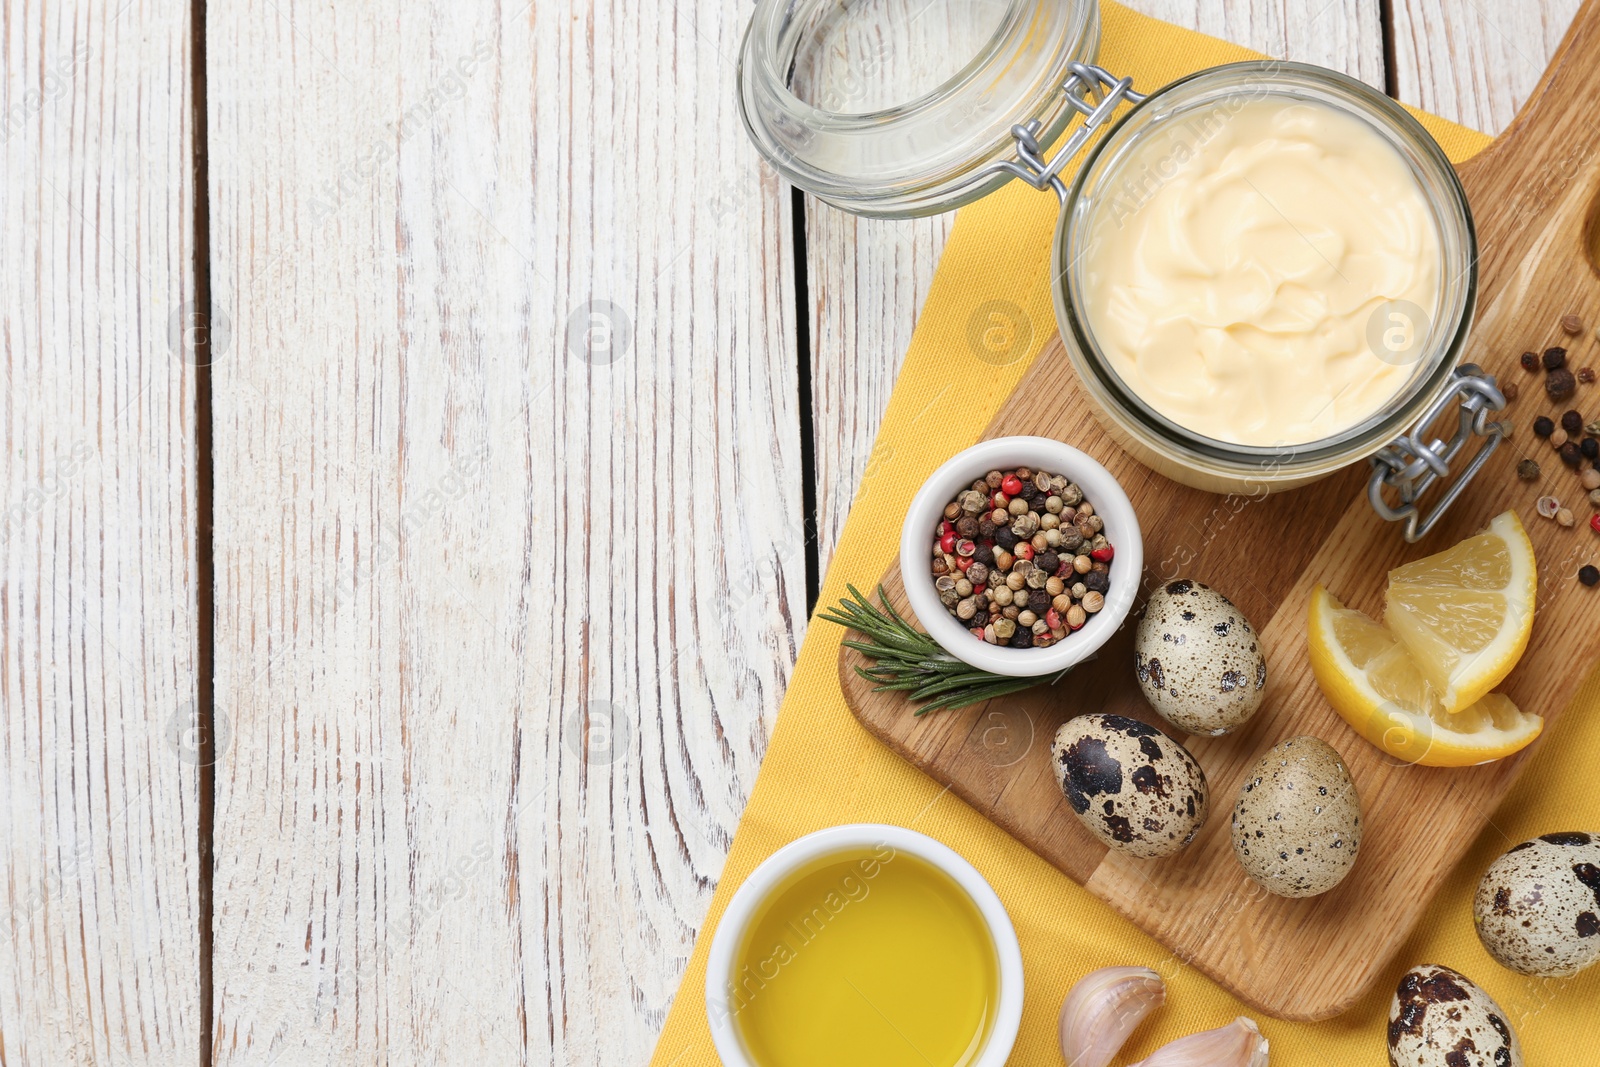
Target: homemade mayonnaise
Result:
[1263, 273]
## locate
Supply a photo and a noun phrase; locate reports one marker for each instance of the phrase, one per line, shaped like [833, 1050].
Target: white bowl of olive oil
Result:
[864, 946]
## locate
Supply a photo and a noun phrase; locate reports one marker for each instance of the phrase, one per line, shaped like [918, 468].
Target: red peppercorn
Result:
[1011, 485]
[1066, 566]
[1023, 550]
[1594, 522]
[1103, 554]
[947, 543]
[1052, 619]
[946, 527]
[979, 590]
[964, 562]
[977, 631]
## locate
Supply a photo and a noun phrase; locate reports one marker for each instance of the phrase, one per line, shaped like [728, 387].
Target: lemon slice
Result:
[1374, 684]
[1465, 613]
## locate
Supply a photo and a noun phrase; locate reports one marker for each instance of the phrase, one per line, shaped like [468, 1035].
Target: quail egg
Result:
[1198, 660]
[1438, 1018]
[1297, 823]
[1134, 787]
[1538, 907]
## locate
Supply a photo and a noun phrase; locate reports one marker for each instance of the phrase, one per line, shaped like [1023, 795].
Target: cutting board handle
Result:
[1548, 160]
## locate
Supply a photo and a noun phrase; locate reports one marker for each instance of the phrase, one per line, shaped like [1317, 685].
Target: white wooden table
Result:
[388, 690]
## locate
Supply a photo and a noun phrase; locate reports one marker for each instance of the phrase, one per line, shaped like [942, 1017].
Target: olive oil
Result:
[869, 957]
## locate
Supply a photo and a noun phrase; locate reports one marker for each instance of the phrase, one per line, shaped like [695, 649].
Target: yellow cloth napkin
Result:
[823, 769]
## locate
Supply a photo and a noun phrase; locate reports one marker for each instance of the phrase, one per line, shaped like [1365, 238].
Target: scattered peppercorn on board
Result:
[1536, 196]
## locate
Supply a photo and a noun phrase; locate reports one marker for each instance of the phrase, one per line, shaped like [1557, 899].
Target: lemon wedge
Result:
[1465, 614]
[1377, 687]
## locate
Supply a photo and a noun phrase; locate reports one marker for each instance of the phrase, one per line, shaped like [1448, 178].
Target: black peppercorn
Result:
[1555, 358]
[1589, 574]
[1530, 361]
[1572, 422]
[983, 554]
[1023, 638]
[1543, 426]
[980, 620]
[1097, 582]
[1038, 601]
[1590, 448]
[1559, 384]
[1005, 538]
[1047, 562]
[986, 528]
[1572, 455]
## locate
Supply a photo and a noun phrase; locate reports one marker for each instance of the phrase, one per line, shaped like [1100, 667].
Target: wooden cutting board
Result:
[1536, 196]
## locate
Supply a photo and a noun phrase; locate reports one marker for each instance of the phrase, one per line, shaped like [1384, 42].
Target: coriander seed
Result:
[1590, 479]
[1564, 517]
[1571, 324]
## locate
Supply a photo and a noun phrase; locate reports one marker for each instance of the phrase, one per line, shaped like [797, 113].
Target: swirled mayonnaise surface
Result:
[1264, 273]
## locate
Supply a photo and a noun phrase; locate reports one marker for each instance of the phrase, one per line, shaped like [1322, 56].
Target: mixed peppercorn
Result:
[1021, 558]
[1576, 442]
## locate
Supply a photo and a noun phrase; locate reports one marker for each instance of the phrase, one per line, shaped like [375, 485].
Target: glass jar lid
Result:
[894, 109]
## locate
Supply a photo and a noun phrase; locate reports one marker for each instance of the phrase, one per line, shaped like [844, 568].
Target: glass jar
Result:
[840, 99]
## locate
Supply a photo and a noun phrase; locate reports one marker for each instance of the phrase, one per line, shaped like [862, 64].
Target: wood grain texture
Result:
[509, 532]
[1536, 195]
[1473, 62]
[868, 277]
[99, 841]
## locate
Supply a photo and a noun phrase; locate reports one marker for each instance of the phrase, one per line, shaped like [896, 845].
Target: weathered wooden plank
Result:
[509, 532]
[868, 278]
[99, 840]
[1475, 63]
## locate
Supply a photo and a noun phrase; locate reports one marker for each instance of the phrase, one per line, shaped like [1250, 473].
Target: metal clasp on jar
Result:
[1411, 467]
[1095, 93]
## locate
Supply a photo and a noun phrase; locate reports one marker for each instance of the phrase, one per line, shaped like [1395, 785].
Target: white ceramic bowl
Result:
[782, 864]
[1099, 488]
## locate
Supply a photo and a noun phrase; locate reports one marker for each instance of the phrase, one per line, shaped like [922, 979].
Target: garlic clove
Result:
[1239, 1044]
[1103, 1009]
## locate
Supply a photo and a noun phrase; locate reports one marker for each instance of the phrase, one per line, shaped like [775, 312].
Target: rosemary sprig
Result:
[909, 661]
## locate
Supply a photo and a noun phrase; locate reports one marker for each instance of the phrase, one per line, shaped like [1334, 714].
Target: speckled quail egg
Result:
[1439, 1018]
[1297, 823]
[1538, 907]
[1198, 660]
[1134, 787]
